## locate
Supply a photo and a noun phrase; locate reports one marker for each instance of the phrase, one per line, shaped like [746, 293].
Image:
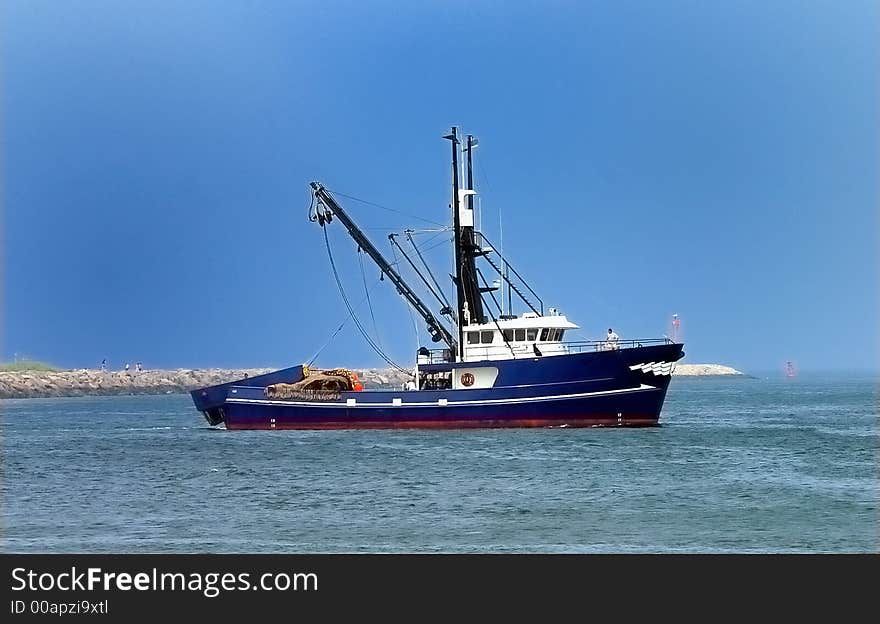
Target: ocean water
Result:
[738, 465]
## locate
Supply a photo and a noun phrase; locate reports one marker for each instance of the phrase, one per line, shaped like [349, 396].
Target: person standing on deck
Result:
[611, 340]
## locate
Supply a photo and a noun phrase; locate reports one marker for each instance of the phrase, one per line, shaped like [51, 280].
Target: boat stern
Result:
[210, 400]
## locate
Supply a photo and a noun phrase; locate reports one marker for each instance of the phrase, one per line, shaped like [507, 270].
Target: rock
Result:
[96, 383]
[705, 370]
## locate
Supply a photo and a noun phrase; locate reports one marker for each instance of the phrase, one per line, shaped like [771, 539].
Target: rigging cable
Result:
[445, 241]
[427, 268]
[329, 340]
[367, 292]
[495, 320]
[394, 247]
[338, 329]
[357, 322]
[369, 203]
[408, 308]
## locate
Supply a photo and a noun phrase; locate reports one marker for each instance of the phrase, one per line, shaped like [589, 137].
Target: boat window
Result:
[508, 335]
[473, 337]
[486, 337]
[520, 334]
[532, 334]
[561, 334]
[552, 336]
[544, 334]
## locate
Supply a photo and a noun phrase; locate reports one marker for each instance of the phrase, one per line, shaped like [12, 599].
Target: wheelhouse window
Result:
[560, 334]
[473, 337]
[508, 335]
[544, 333]
[520, 335]
[487, 337]
[531, 334]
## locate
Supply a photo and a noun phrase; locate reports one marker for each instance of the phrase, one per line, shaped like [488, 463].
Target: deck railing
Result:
[605, 345]
[525, 349]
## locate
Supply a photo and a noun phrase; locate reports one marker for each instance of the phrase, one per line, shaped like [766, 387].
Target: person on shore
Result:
[126, 367]
[138, 368]
[104, 365]
[611, 340]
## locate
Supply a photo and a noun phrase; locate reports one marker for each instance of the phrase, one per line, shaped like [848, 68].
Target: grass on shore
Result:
[26, 365]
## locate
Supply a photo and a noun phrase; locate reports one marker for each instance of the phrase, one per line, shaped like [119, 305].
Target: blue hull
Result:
[624, 387]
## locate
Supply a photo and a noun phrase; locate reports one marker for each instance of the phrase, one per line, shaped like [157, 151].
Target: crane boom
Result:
[437, 330]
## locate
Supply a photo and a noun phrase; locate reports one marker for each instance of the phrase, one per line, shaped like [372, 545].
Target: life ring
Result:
[467, 379]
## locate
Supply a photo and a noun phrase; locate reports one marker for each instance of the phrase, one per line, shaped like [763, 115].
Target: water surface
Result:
[739, 465]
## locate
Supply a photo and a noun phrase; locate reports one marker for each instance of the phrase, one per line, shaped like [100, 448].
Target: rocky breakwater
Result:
[706, 370]
[85, 382]
[88, 382]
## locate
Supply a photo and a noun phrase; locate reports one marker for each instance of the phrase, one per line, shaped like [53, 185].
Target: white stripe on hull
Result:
[448, 403]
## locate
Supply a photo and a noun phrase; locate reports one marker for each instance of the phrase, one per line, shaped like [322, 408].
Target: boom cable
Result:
[367, 293]
[334, 334]
[351, 312]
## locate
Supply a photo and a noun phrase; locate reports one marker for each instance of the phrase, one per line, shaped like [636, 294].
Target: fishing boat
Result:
[493, 367]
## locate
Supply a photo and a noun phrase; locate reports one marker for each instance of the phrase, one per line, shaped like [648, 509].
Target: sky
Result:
[718, 161]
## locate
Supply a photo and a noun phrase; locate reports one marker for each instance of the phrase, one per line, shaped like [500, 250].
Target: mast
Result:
[456, 226]
[435, 328]
[467, 288]
[469, 248]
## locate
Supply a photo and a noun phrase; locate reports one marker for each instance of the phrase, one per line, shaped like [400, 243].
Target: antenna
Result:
[505, 273]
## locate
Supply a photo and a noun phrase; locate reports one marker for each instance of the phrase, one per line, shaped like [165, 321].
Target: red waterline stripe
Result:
[454, 424]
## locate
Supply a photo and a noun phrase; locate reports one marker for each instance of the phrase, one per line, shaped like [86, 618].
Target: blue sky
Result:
[715, 160]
